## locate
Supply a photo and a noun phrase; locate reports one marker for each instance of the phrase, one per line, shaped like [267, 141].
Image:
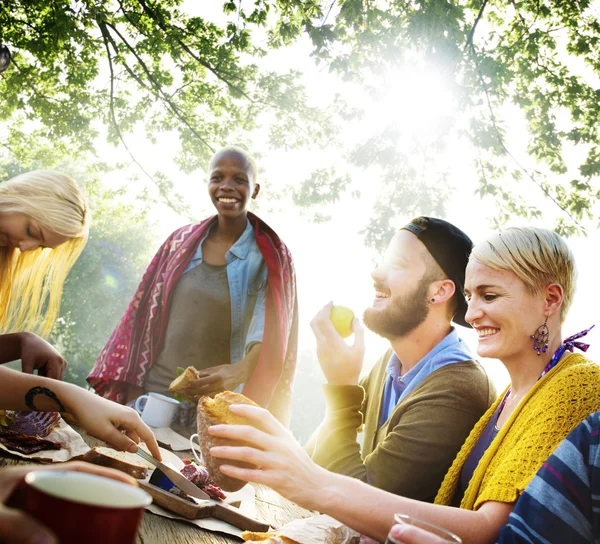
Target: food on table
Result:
[342, 317]
[25, 432]
[196, 474]
[27, 445]
[270, 539]
[213, 412]
[199, 476]
[319, 529]
[266, 538]
[120, 460]
[39, 424]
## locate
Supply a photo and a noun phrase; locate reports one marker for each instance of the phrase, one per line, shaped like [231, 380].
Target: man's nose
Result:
[378, 273]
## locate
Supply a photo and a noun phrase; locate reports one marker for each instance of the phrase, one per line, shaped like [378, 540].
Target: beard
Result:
[401, 315]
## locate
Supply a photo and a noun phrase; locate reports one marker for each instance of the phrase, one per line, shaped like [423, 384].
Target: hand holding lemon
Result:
[342, 318]
[340, 361]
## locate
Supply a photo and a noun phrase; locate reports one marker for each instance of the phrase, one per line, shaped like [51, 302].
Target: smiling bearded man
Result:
[422, 398]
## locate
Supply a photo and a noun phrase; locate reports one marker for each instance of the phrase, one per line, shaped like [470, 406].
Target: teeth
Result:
[227, 200]
[486, 332]
[381, 294]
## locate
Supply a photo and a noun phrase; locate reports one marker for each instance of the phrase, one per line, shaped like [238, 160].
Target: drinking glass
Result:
[431, 534]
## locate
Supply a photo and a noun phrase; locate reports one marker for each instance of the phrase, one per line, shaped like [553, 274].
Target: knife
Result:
[178, 479]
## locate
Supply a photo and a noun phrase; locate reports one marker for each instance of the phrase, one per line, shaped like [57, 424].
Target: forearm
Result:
[248, 363]
[371, 510]
[335, 446]
[20, 391]
[10, 347]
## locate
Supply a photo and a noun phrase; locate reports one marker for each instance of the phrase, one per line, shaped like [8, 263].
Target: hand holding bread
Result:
[277, 460]
[197, 383]
[214, 412]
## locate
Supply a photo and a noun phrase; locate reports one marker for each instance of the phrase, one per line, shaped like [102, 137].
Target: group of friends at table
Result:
[438, 442]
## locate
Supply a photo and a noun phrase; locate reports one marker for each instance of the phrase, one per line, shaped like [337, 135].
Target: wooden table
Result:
[270, 506]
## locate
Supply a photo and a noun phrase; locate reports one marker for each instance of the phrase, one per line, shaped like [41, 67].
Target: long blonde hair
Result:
[31, 283]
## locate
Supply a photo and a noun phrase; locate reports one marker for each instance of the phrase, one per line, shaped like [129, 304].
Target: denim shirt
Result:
[247, 277]
[452, 349]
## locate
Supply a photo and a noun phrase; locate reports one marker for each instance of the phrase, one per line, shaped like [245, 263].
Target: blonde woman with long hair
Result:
[44, 226]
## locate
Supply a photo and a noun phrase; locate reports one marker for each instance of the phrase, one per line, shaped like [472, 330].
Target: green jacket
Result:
[411, 453]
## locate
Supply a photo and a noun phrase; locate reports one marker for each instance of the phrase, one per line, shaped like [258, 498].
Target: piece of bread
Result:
[266, 538]
[179, 384]
[120, 460]
[215, 411]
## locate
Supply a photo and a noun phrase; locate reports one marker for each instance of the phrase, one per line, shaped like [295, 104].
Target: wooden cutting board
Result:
[203, 509]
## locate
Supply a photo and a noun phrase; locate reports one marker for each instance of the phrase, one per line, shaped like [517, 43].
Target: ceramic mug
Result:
[437, 534]
[80, 507]
[197, 453]
[157, 410]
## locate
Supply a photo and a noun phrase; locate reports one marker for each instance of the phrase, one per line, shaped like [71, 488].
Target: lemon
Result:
[342, 317]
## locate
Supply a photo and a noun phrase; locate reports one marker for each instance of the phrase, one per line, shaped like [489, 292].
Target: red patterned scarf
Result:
[137, 340]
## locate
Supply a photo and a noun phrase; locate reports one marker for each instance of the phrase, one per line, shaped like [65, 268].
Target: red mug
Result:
[80, 507]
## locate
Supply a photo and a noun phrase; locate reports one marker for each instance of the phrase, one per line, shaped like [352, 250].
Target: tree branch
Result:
[105, 38]
[208, 66]
[159, 92]
[471, 33]
[503, 146]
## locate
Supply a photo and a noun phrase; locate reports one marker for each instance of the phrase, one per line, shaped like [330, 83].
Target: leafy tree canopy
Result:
[166, 70]
[542, 58]
[78, 67]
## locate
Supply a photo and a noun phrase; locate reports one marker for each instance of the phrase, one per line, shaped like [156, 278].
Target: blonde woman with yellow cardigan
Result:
[519, 285]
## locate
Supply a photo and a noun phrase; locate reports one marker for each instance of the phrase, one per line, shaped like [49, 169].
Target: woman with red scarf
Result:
[219, 296]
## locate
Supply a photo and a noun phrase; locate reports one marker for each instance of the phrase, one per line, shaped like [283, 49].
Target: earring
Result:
[540, 338]
[432, 300]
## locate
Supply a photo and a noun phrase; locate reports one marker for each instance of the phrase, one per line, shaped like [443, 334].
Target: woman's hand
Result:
[340, 362]
[37, 354]
[224, 377]
[279, 461]
[120, 426]
[16, 527]
[216, 379]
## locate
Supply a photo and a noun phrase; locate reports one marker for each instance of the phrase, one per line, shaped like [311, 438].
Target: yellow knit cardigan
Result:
[564, 397]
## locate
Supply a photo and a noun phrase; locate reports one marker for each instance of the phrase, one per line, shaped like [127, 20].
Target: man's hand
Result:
[340, 362]
[37, 354]
[16, 527]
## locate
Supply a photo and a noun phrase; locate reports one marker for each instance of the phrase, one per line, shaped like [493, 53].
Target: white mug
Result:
[197, 453]
[158, 411]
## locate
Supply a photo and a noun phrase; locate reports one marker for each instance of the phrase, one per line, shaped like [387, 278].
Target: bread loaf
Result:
[215, 411]
[266, 538]
[120, 460]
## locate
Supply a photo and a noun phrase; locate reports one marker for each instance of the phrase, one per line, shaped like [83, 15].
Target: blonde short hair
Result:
[240, 151]
[31, 283]
[537, 256]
